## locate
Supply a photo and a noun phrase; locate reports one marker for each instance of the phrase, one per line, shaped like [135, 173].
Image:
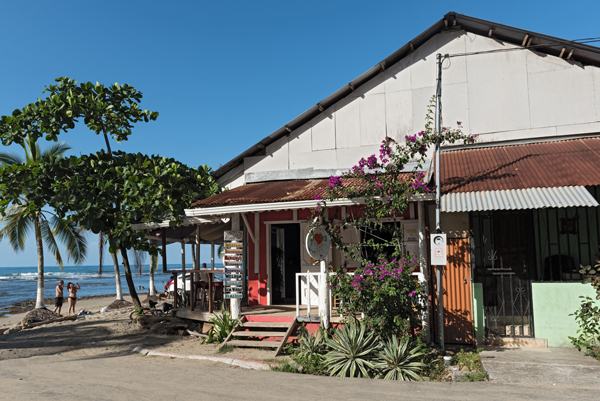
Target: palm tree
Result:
[47, 227]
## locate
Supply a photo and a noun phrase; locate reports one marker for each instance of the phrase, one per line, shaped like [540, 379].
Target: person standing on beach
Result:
[72, 297]
[59, 297]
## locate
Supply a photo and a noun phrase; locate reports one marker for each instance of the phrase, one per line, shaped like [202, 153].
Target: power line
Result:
[591, 40]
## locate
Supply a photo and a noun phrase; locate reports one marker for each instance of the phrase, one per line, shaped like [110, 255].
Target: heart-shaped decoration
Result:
[318, 238]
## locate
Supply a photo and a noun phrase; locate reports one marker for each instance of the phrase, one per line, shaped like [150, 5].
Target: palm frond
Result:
[139, 260]
[10, 158]
[17, 226]
[50, 242]
[56, 150]
[73, 237]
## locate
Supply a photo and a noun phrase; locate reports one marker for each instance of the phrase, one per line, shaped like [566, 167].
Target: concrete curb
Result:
[242, 363]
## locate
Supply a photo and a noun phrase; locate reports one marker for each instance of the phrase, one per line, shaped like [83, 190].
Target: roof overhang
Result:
[294, 205]
[518, 199]
[187, 221]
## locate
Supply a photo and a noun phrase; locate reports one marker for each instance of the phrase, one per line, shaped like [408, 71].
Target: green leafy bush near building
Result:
[222, 326]
[588, 334]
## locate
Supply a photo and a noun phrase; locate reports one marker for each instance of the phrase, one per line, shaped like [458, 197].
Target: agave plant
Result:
[222, 326]
[396, 361]
[352, 351]
[310, 346]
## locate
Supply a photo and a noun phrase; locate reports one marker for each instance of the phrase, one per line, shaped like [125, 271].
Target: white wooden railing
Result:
[309, 277]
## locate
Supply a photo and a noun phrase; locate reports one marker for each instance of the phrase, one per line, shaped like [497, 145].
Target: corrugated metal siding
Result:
[517, 199]
[457, 298]
[537, 165]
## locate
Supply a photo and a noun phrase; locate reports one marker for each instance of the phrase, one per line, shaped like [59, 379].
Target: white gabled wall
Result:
[506, 95]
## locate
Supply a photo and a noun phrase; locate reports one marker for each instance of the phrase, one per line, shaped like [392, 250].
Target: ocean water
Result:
[18, 284]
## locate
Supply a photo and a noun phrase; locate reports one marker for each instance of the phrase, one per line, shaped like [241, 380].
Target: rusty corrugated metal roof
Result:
[535, 165]
[276, 191]
[273, 191]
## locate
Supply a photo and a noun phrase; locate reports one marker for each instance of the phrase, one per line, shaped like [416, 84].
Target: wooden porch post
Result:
[163, 237]
[236, 303]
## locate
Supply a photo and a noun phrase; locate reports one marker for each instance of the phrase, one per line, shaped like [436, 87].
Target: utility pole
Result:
[438, 202]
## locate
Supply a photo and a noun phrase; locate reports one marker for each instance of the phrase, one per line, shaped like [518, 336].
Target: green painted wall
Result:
[478, 317]
[552, 303]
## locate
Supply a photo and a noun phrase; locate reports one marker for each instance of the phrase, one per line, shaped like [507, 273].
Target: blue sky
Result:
[224, 74]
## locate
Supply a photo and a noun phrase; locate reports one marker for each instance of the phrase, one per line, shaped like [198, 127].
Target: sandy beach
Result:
[106, 334]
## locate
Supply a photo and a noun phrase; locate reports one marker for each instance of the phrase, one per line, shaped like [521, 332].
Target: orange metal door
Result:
[457, 297]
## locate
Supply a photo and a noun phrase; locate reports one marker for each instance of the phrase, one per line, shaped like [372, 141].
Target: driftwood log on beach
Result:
[60, 319]
[27, 325]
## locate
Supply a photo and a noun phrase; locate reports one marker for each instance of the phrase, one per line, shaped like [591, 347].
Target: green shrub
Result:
[588, 319]
[352, 351]
[397, 360]
[222, 326]
[310, 351]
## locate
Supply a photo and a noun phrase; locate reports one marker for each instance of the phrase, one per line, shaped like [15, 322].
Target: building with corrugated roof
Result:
[520, 207]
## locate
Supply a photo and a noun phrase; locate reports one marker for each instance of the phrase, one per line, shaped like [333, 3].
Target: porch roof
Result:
[534, 165]
[527, 176]
[273, 195]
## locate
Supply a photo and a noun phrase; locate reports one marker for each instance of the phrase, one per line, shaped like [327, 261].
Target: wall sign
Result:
[232, 261]
[318, 243]
[439, 250]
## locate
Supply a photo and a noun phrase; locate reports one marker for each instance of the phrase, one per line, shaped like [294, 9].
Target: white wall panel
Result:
[300, 140]
[561, 97]
[236, 182]
[455, 106]
[346, 158]
[397, 77]
[322, 159]
[398, 114]
[422, 69]
[540, 62]
[276, 158]
[578, 129]
[420, 101]
[497, 83]
[596, 76]
[374, 87]
[517, 134]
[372, 119]
[323, 131]
[454, 70]
[347, 123]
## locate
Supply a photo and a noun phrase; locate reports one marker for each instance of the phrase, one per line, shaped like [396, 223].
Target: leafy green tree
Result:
[25, 211]
[110, 111]
[107, 192]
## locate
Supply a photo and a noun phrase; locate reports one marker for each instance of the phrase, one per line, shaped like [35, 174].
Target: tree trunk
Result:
[153, 264]
[39, 303]
[129, 279]
[100, 252]
[117, 277]
[196, 276]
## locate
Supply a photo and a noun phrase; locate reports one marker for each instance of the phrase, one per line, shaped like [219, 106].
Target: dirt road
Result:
[125, 377]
